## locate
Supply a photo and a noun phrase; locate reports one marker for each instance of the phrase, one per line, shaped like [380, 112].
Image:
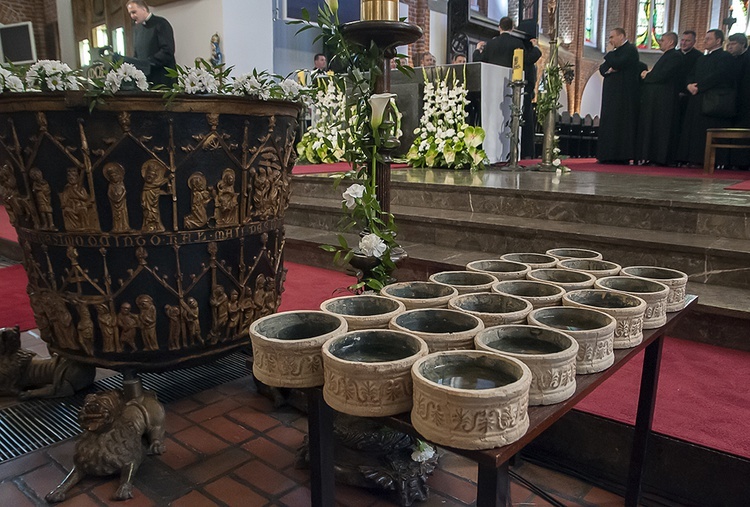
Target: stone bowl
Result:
[287, 347]
[365, 311]
[627, 310]
[549, 354]
[442, 329]
[417, 294]
[532, 260]
[596, 267]
[500, 269]
[493, 308]
[593, 330]
[573, 253]
[539, 294]
[675, 280]
[653, 293]
[368, 372]
[465, 282]
[470, 399]
[568, 279]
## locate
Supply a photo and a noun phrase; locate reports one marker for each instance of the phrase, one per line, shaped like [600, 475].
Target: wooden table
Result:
[493, 484]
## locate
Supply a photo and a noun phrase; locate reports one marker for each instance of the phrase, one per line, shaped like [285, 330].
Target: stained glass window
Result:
[651, 24]
[589, 26]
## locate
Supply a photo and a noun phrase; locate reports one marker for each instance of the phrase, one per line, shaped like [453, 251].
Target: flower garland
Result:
[52, 76]
[443, 138]
[125, 77]
[9, 82]
[325, 142]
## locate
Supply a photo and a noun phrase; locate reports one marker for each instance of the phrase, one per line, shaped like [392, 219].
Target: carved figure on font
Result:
[192, 316]
[108, 326]
[226, 202]
[147, 318]
[14, 203]
[154, 179]
[117, 194]
[261, 186]
[39, 307]
[62, 323]
[77, 206]
[42, 198]
[112, 440]
[234, 313]
[85, 329]
[127, 322]
[220, 311]
[173, 314]
[199, 198]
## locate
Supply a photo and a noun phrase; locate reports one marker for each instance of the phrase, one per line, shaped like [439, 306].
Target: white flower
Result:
[378, 103]
[355, 191]
[290, 88]
[372, 245]
[423, 452]
[333, 5]
[556, 162]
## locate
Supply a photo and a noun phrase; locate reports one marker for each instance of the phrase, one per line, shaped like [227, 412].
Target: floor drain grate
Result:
[34, 424]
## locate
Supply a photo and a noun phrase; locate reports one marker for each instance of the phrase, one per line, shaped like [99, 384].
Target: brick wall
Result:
[36, 11]
[419, 14]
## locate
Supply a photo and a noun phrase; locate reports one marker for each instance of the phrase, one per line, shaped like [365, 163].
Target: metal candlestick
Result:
[516, 111]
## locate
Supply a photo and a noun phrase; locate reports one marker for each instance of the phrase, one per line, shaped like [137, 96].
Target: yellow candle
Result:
[518, 64]
[373, 10]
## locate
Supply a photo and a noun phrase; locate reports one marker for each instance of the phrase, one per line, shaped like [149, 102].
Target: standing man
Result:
[620, 98]
[500, 49]
[737, 47]
[687, 48]
[660, 111]
[709, 104]
[319, 64]
[527, 31]
[153, 42]
[427, 60]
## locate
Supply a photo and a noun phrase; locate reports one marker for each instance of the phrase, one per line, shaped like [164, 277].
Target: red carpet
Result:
[591, 165]
[702, 396]
[745, 185]
[307, 286]
[338, 167]
[6, 230]
[15, 309]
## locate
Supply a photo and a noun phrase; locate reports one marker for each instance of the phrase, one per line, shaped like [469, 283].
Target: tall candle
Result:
[374, 10]
[518, 64]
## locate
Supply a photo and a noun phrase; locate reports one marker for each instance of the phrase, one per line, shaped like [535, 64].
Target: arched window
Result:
[651, 22]
[740, 13]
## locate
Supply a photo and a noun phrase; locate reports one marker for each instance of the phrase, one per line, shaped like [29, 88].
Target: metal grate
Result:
[34, 424]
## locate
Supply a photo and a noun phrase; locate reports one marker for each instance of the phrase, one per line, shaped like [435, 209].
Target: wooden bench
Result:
[713, 138]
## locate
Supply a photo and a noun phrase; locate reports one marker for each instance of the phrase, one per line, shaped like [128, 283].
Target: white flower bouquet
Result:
[125, 77]
[327, 140]
[9, 82]
[443, 138]
[52, 76]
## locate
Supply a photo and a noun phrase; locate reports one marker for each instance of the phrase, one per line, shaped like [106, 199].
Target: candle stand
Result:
[516, 111]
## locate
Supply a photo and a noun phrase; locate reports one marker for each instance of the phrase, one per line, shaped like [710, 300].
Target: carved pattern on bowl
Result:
[271, 367]
[371, 397]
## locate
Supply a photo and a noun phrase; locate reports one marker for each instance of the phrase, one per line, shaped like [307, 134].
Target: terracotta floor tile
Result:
[233, 493]
[44, 479]
[208, 397]
[603, 498]
[260, 403]
[105, 492]
[228, 430]
[184, 406]
[208, 469]
[300, 424]
[12, 496]
[240, 385]
[175, 422]
[457, 465]
[273, 454]
[299, 497]
[552, 481]
[519, 494]
[350, 496]
[80, 500]
[438, 500]
[287, 436]
[253, 419]
[63, 453]
[264, 478]
[193, 499]
[177, 456]
[300, 475]
[217, 409]
[201, 440]
[536, 501]
[23, 464]
[452, 486]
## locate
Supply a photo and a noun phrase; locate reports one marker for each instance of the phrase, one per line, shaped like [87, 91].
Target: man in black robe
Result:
[713, 75]
[500, 49]
[531, 54]
[687, 48]
[660, 111]
[153, 43]
[620, 98]
[737, 47]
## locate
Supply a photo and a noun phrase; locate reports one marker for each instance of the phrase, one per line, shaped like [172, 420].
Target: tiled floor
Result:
[229, 446]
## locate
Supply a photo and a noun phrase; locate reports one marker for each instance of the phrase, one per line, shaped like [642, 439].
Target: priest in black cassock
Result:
[658, 131]
[153, 43]
[709, 105]
[620, 100]
[737, 46]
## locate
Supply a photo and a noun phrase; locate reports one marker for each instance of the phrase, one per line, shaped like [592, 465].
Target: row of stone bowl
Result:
[469, 399]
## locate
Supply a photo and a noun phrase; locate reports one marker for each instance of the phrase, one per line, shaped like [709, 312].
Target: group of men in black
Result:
[661, 115]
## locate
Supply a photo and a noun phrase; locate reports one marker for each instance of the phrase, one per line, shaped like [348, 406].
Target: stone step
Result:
[721, 316]
[718, 261]
[716, 214]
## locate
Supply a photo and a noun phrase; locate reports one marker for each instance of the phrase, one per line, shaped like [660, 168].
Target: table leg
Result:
[493, 486]
[643, 420]
[320, 436]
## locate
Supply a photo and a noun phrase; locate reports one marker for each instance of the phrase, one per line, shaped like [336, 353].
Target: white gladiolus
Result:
[372, 245]
[355, 191]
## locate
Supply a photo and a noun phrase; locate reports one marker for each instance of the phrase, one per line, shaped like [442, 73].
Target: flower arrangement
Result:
[443, 138]
[368, 129]
[325, 142]
[51, 76]
[9, 82]
[548, 99]
[125, 77]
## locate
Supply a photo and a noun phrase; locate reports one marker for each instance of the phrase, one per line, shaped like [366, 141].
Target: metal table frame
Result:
[493, 484]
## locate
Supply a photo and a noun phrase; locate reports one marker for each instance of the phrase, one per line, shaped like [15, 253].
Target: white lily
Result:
[378, 103]
[333, 5]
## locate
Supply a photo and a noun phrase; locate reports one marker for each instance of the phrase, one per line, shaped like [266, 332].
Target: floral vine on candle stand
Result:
[443, 138]
[548, 99]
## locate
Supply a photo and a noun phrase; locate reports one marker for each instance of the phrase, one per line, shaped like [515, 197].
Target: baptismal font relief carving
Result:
[154, 180]
[117, 194]
[42, 198]
[78, 205]
[226, 205]
[200, 196]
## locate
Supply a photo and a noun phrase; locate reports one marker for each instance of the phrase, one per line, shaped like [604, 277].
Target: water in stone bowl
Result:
[500, 269]
[549, 354]
[565, 278]
[532, 260]
[479, 385]
[364, 311]
[539, 294]
[465, 282]
[493, 308]
[627, 309]
[655, 294]
[596, 267]
[675, 280]
[574, 253]
[442, 329]
[418, 294]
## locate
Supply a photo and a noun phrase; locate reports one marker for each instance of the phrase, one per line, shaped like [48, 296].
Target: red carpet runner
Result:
[702, 398]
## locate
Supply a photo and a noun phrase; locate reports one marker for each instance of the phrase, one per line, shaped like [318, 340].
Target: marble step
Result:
[721, 316]
[705, 212]
[721, 261]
